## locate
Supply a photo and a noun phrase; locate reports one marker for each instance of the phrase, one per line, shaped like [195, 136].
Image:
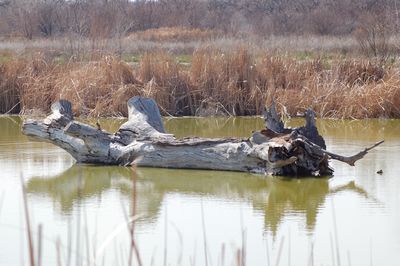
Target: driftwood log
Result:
[142, 141]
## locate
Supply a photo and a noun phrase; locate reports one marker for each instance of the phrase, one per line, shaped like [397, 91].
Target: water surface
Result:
[190, 216]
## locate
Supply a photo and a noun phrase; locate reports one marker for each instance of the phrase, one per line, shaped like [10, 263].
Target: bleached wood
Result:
[142, 141]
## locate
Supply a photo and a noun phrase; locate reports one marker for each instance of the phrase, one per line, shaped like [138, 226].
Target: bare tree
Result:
[101, 19]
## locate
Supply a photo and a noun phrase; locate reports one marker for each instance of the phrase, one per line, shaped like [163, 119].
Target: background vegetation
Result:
[113, 18]
[201, 57]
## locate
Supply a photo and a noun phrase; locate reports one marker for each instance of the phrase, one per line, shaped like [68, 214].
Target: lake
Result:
[192, 217]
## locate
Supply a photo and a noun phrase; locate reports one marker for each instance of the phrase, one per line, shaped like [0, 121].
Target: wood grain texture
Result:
[142, 141]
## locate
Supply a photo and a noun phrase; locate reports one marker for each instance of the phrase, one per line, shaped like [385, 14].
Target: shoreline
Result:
[89, 118]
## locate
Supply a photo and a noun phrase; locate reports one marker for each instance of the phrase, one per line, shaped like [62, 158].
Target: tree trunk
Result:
[142, 141]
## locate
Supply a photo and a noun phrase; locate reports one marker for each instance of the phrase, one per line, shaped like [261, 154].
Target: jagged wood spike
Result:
[272, 119]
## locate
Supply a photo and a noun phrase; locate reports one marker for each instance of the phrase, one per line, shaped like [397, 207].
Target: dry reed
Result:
[238, 82]
[9, 84]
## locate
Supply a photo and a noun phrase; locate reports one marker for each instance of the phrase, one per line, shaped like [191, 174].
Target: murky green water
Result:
[188, 216]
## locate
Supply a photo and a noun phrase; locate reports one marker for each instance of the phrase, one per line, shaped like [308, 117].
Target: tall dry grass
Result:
[96, 88]
[9, 87]
[236, 82]
[227, 78]
[166, 82]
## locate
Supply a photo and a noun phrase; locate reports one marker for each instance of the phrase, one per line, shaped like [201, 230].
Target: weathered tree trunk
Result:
[142, 141]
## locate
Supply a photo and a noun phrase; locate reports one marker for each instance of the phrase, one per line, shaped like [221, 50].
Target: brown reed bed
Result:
[238, 82]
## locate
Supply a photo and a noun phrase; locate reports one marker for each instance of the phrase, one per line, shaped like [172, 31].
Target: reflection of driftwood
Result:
[143, 141]
[273, 197]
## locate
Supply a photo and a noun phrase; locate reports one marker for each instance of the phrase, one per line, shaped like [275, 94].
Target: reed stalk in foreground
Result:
[2, 195]
[28, 224]
[133, 247]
